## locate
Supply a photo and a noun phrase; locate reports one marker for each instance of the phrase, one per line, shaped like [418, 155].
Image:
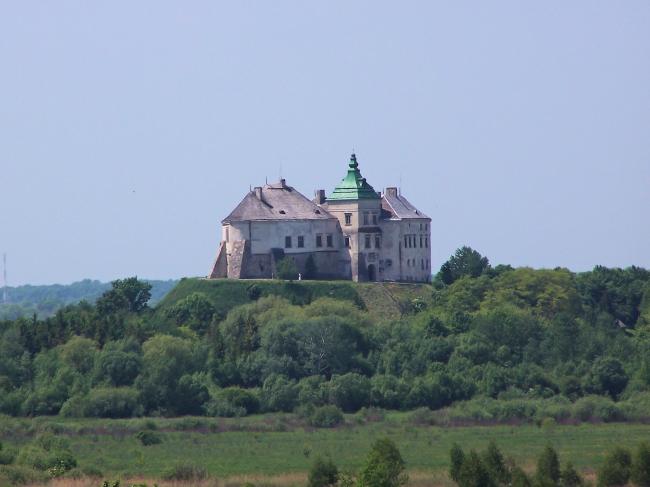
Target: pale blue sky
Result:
[128, 130]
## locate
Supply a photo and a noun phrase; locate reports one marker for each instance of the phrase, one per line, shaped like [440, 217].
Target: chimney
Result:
[319, 196]
[283, 183]
[258, 192]
[392, 191]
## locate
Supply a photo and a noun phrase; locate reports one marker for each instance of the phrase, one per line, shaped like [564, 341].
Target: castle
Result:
[354, 233]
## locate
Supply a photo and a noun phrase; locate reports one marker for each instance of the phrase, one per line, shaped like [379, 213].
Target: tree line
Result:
[484, 334]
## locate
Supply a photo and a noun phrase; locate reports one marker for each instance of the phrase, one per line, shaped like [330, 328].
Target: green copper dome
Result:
[353, 186]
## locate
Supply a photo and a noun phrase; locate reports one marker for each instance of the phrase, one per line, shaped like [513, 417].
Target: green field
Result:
[278, 444]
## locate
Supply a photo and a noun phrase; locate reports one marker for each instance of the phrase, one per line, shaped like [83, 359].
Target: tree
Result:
[310, 267]
[641, 465]
[129, 295]
[493, 460]
[457, 457]
[322, 473]
[465, 262]
[384, 466]
[350, 391]
[616, 468]
[570, 476]
[286, 269]
[194, 311]
[607, 376]
[548, 467]
[473, 472]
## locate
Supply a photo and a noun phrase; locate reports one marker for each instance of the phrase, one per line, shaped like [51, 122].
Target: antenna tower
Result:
[5, 298]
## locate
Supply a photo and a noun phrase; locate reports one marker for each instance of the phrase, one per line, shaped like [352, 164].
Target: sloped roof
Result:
[400, 207]
[278, 202]
[353, 186]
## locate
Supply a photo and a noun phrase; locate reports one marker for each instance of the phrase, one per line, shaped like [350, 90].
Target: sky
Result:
[129, 130]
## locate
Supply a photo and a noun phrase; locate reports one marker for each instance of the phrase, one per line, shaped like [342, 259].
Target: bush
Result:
[384, 466]
[7, 455]
[185, 472]
[148, 437]
[548, 467]
[233, 402]
[495, 464]
[350, 391]
[113, 402]
[326, 416]
[570, 476]
[19, 475]
[286, 269]
[616, 468]
[641, 466]
[473, 472]
[322, 473]
[457, 457]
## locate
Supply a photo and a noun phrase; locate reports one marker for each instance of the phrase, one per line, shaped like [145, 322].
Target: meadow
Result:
[279, 446]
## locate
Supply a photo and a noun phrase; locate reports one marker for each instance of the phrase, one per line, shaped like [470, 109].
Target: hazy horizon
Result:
[129, 131]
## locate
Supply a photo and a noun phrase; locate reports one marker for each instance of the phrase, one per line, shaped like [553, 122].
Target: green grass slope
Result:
[382, 301]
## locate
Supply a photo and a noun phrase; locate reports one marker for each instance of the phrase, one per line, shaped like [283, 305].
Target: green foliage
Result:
[473, 472]
[322, 473]
[286, 269]
[326, 416]
[148, 437]
[548, 467]
[494, 462]
[128, 294]
[457, 457]
[194, 311]
[185, 472]
[569, 477]
[616, 468]
[641, 465]
[384, 466]
[465, 262]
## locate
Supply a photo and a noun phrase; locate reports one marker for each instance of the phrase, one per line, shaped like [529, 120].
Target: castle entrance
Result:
[372, 272]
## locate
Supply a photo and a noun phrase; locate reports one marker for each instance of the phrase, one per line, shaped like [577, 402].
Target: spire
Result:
[353, 186]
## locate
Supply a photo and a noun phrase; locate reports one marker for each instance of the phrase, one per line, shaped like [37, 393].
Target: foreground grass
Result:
[277, 445]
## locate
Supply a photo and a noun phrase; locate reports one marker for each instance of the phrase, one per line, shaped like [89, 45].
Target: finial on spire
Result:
[353, 161]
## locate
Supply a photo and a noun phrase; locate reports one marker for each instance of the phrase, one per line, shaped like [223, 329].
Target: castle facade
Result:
[354, 233]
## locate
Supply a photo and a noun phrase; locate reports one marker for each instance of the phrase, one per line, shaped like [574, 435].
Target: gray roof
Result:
[278, 202]
[399, 207]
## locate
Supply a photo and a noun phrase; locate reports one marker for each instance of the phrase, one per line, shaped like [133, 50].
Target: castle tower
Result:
[358, 208]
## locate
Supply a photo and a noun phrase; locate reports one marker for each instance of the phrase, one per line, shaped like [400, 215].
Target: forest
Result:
[484, 345]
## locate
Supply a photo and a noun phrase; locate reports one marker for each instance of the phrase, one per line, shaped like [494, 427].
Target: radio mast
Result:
[5, 298]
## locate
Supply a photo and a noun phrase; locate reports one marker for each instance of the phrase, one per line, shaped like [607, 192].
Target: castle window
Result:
[319, 240]
[330, 241]
[405, 241]
[301, 241]
[426, 242]
[348, 219]
[347, 242]
[422, 264]
[365, 217]
[374, 218]
[377, 242]
[426, 226]
[420, 226]
[420, 240]
[287, 242]
[367, 243]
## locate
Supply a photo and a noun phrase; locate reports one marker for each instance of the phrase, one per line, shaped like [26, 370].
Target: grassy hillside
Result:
[383, 301]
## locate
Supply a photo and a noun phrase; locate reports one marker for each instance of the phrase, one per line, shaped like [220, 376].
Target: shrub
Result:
[7, 455]
[325, 417]
[570, 476]
[519, 478]
[233, 402]
[457, 456]
[322, 473]
[20, 475]
[185, 472]
[113, 402]
[473, 472]
[641, 466]
[493, 461]
[384, 466]
[286, 269]
[350, 391]
[548, 467]
[616, 468]
[148, 437]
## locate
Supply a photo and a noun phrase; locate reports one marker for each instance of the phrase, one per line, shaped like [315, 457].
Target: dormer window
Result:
[282, 212]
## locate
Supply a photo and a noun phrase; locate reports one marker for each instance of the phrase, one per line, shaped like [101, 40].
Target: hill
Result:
[382, 301]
